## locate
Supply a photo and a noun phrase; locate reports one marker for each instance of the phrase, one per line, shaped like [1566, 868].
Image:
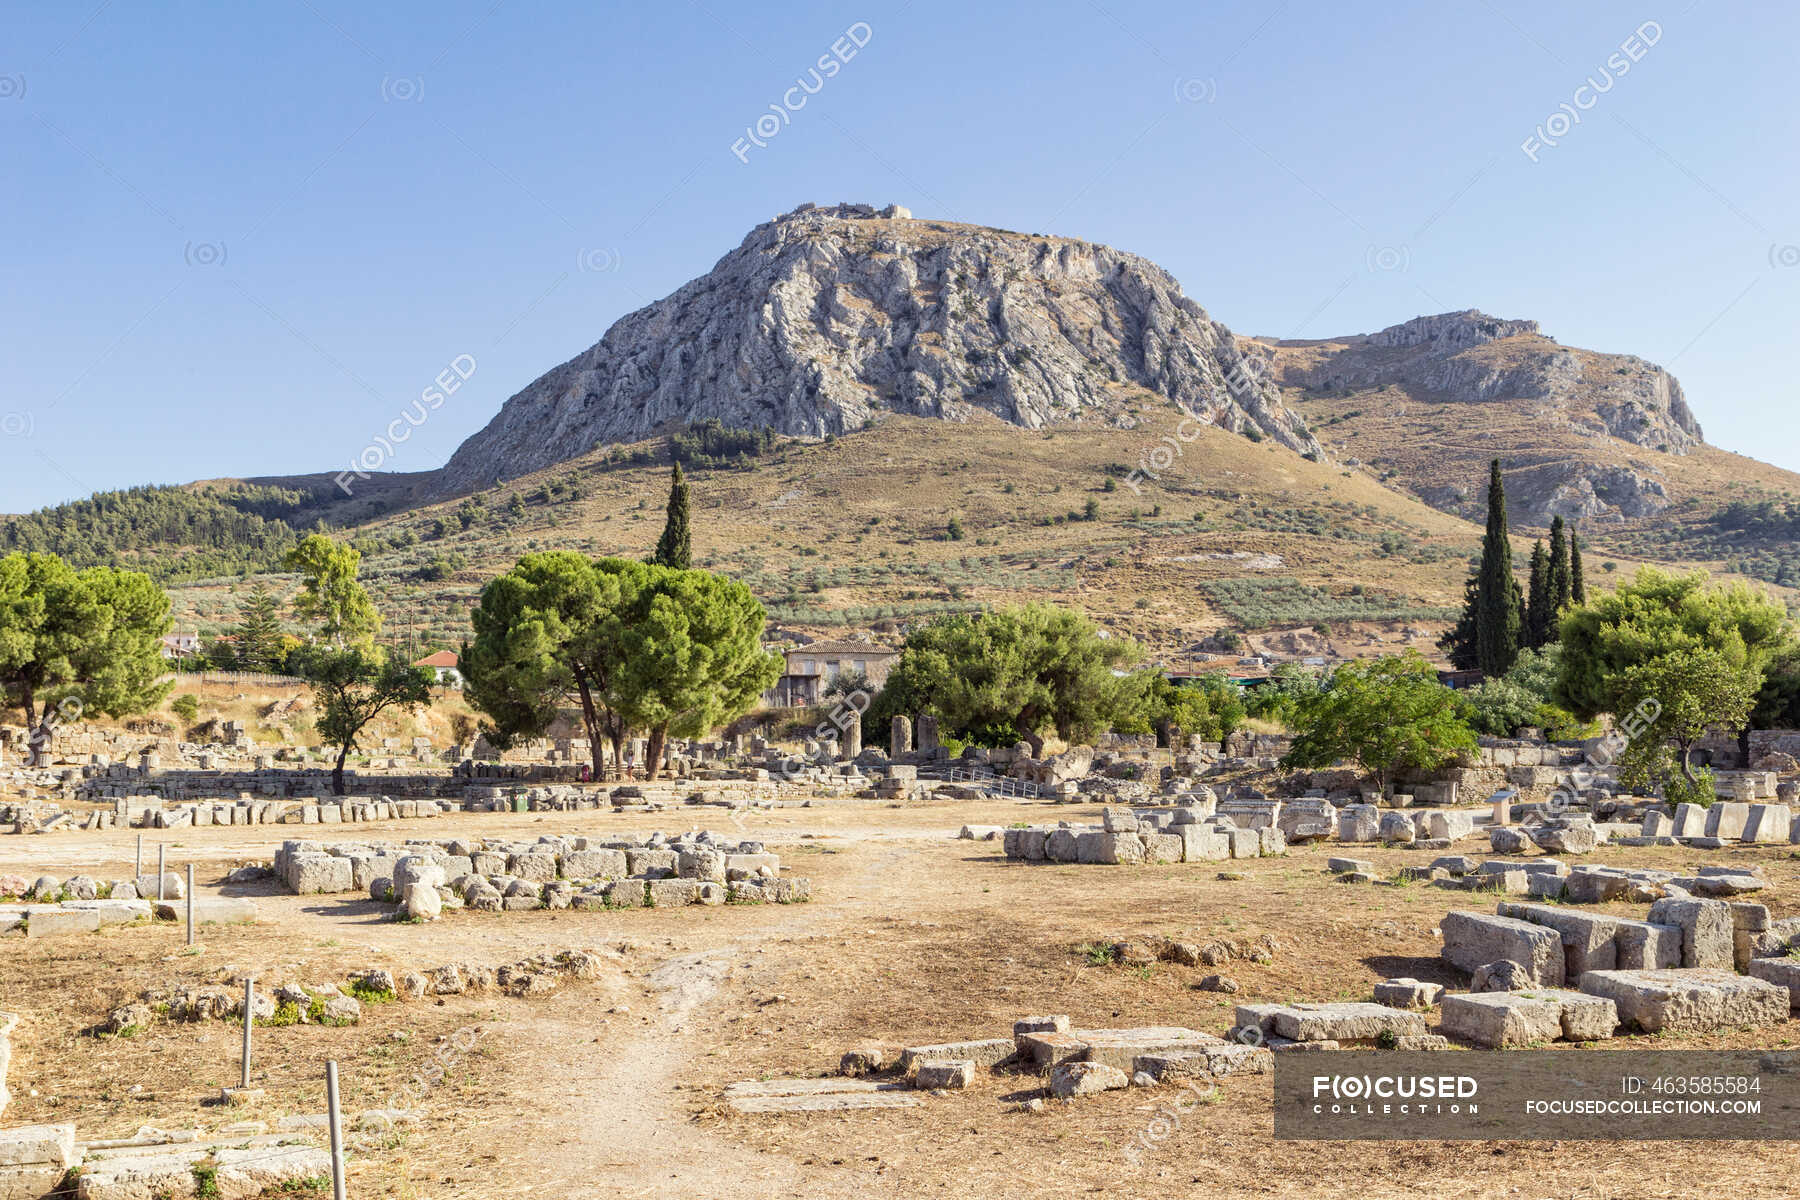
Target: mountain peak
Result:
[825, 318]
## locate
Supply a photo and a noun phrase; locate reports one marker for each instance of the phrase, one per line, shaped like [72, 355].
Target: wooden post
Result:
[162, 852]
[249, 1023]
[336, 1121]
[190, 903]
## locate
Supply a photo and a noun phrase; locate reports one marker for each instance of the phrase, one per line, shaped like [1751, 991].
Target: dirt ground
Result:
[612, 1087]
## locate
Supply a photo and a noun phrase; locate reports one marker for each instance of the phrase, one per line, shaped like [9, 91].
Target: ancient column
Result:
[928, 734]
[901, 743]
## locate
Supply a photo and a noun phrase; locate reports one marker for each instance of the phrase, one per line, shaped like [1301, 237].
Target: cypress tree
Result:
[1498, 615]
[1577, 580]
[1562, 588]
[1537, 605]
[674, 549]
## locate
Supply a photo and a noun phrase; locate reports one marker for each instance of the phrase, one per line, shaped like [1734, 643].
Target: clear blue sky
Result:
[242, 237]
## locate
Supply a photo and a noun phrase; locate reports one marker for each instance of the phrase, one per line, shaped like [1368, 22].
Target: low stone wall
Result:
[1126, 837]
[620, 871]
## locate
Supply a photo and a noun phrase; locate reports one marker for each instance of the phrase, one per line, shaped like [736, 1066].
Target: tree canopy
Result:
[1386, 715]
[351, 687]
[330, 593]
[94, 635]
[634, 645]
[996, 678]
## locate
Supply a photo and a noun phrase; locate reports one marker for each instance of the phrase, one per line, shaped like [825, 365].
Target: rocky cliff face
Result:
[825, 317]
[1585, 435]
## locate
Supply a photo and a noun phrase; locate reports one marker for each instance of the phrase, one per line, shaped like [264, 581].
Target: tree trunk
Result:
[1687, 768]
[1744, 748]
[337, 772]
[659, 736]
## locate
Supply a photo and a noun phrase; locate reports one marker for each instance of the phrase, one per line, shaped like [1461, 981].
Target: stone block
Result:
[1345, 1021]
[1071, 1080]
[1359, 823]
[945, 1073]
[1644, 946]
[596, 864]
[1408, 993]
[61, 922]
[1496, 1019]
[1245, 843]
[1706, 930]
[1768, 823]
[1782, 972]
[671, 893]
[310, 875]
[1474, 939]
[1342, 865]
[1202, 843]
[1047, 1049]
[984, 1052]
[1698, 999]
[38, 1145]
[1726, 820]
[1165, 847]
[1117, 1047]
[1448, 825]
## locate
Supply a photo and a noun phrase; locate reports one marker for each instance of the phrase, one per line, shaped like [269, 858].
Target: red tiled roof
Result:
[443, 658]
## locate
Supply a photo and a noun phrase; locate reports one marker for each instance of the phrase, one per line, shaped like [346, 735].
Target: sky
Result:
[240, 239]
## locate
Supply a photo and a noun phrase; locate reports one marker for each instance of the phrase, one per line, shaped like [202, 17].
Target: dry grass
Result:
[912, 937]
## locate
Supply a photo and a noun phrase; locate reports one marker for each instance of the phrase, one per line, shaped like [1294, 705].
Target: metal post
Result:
[336, 1121]
[190, 903]
[161, 856]
[249, 1023]
[137, 871]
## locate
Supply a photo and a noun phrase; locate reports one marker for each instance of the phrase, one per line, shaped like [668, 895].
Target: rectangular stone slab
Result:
[1350, 1021]
[1474, 939]
[984, 1053]
[1117, 1047]
[1699, 999]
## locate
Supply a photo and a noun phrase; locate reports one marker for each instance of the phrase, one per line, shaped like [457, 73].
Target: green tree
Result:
[1498, 619]
[330, 594]
[1680, 696]
[92, 637]
[693, 657]
[1386, 715]
[999, 677]
[1523, 697]
[1577, 577]
[1280, 697]
[354, 685]
[1561, 581]
[675, 549]
[1459, 642]
[1538, 610]
[259, 642]
[548, 632]
[1657, 614]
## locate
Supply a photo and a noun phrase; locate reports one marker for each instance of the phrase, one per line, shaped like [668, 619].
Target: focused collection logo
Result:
[1394, 1095]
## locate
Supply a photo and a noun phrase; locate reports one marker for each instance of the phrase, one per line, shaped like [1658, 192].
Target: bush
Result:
[186, 706]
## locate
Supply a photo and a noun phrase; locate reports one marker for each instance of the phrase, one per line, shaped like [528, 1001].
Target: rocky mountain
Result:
[1588, 436]
[825, 317]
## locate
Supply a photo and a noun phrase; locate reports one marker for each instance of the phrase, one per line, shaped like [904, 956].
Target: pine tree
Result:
[1498, 616]
[1537, 605]
[674, 550]
[1577, 580]
[258, 630]
[1459, 641]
